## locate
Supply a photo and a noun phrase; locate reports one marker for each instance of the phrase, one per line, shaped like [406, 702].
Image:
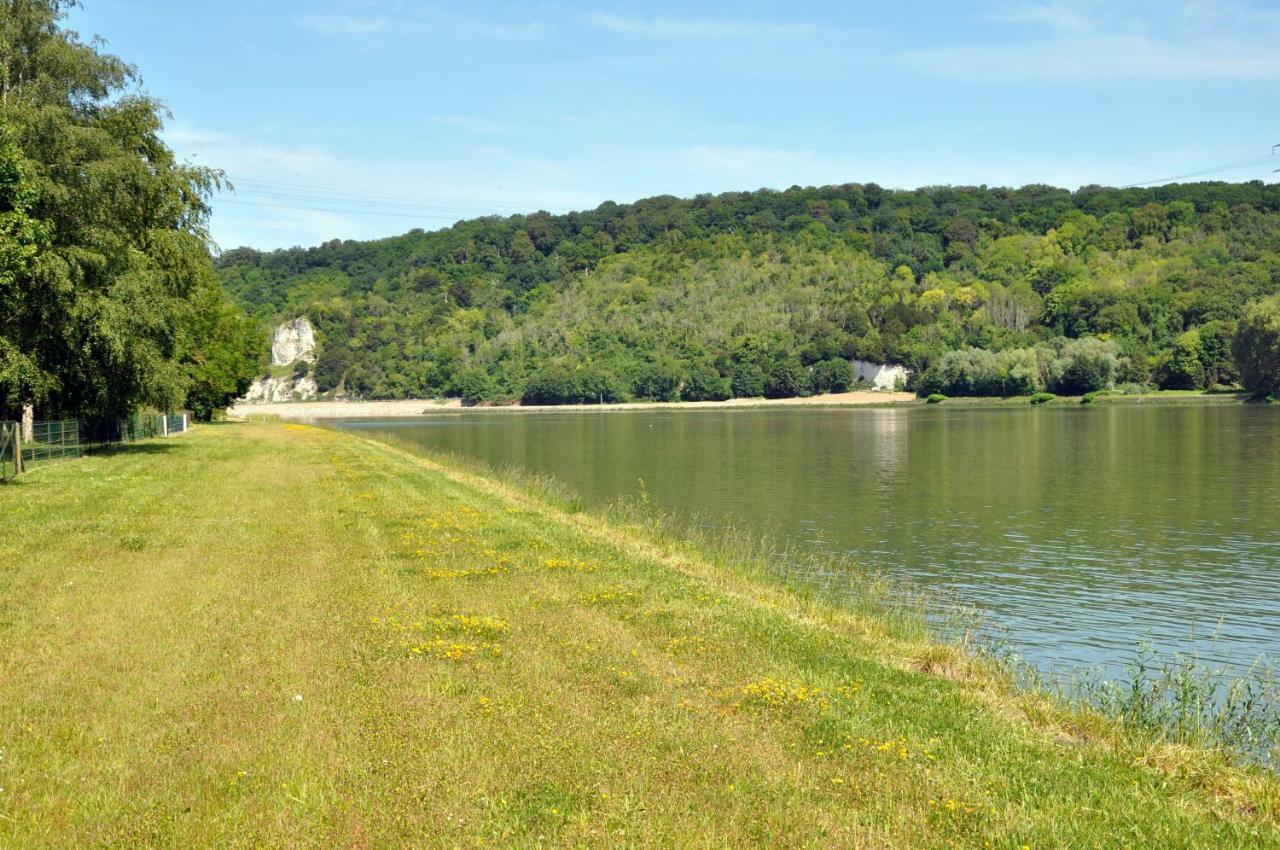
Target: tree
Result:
[1257, 346]
[705, 383]
[223, 354]
[112, 263]
[1185, 367]
[21, 240]
[832, 376]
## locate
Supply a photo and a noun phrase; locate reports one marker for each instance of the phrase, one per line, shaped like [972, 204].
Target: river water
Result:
[1083, 531]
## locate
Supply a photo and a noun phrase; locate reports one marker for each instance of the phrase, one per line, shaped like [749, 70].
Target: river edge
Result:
[403, 408]
[799, 717]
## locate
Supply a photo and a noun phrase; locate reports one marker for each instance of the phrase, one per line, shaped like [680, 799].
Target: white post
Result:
[185, 424]
[28, 422]
[164, 425]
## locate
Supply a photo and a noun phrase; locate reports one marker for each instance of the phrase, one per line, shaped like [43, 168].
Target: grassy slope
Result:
[247, 637]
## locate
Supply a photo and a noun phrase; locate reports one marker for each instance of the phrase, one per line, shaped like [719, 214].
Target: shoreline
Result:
[427, 407]
[406, 408]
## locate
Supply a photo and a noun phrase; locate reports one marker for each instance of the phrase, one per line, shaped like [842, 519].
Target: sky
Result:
[357, 119]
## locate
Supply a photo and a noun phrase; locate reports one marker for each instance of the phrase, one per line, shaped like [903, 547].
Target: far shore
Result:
[427, 407]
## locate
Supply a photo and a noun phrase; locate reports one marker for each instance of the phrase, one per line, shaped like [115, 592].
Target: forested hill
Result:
[976, 289]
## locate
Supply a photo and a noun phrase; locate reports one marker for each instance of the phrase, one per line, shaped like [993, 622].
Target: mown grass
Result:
[272, 635]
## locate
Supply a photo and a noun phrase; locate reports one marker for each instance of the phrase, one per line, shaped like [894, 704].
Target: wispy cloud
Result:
[1066, 17]
[1093, 58]
[1089, 40]
[388, 18]
[706, 27]
[344, 24]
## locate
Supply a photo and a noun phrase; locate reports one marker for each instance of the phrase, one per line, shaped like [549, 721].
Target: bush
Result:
[560, 384]
[786, 379]
[657, 382]
[1084, 365]
[935, 398]
[1088, 398]
[705, 384]
[977, 372]
[1042, 398]
[746, 380]
[473, 384]
[832, 376]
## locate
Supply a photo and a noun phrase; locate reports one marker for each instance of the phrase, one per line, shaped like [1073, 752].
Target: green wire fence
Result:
[50, 441]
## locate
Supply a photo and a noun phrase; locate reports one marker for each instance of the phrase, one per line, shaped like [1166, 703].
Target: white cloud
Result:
[709, 28]
[344, 24]
[1094, 58]
[1067, 17]
[389, 18]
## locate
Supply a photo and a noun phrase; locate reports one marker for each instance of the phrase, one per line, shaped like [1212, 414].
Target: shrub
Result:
[832, 376]
[1083, 365]
[786, 379]
[559, 384]
[935, 398]
[473, 384]
[746, 380]
[657, 382]
[1088, 398]
[705, 384]
[1042, 398]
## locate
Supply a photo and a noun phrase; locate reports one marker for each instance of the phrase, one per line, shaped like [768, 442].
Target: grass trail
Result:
[279, 636]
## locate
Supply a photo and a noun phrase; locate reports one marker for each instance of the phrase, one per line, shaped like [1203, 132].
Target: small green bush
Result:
[1088, 398]
[1042, 398]
[935, 398]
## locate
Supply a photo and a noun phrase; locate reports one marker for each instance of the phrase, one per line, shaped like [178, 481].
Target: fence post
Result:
[17, 451]
[185, 424]
[164, 425]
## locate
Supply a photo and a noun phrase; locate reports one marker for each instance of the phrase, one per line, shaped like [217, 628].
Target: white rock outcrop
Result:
[881, 376]
[293, 342]
[269, 388]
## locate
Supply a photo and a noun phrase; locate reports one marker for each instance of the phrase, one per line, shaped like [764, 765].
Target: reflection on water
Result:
[1084, 531]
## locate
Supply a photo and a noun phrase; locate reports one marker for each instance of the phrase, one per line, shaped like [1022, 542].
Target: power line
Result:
[354, 194]
[1230, 166]
[269, 206]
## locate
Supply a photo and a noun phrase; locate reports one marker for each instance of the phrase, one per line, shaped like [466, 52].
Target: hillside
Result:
[774, 292]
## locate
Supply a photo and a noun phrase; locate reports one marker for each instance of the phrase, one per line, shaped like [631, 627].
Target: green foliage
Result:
[1257, 346]
[108, 299]
[935, 398]
[705, 384]
[223, 353]
[658, 381]
[1083, 365]
[1042, 398]
[786, 379]
[832, 376]
[563, 384]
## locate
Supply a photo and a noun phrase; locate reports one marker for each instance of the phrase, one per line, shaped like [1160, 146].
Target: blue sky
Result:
[365, 118]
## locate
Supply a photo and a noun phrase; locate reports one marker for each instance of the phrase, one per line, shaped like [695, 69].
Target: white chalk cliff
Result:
[292, 344]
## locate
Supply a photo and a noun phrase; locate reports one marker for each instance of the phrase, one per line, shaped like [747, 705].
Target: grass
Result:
[275, 635]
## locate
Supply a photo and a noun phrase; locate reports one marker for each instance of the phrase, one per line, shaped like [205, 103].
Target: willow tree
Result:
[105, 249]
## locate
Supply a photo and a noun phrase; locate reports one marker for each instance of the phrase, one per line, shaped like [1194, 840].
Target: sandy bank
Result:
[426, 407]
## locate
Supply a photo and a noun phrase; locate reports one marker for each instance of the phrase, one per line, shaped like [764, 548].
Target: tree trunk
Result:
[28, 422]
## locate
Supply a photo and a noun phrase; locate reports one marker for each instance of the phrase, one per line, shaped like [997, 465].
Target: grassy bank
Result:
[283, 636]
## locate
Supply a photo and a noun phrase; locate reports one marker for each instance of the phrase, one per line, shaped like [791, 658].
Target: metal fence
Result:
[50, 441]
